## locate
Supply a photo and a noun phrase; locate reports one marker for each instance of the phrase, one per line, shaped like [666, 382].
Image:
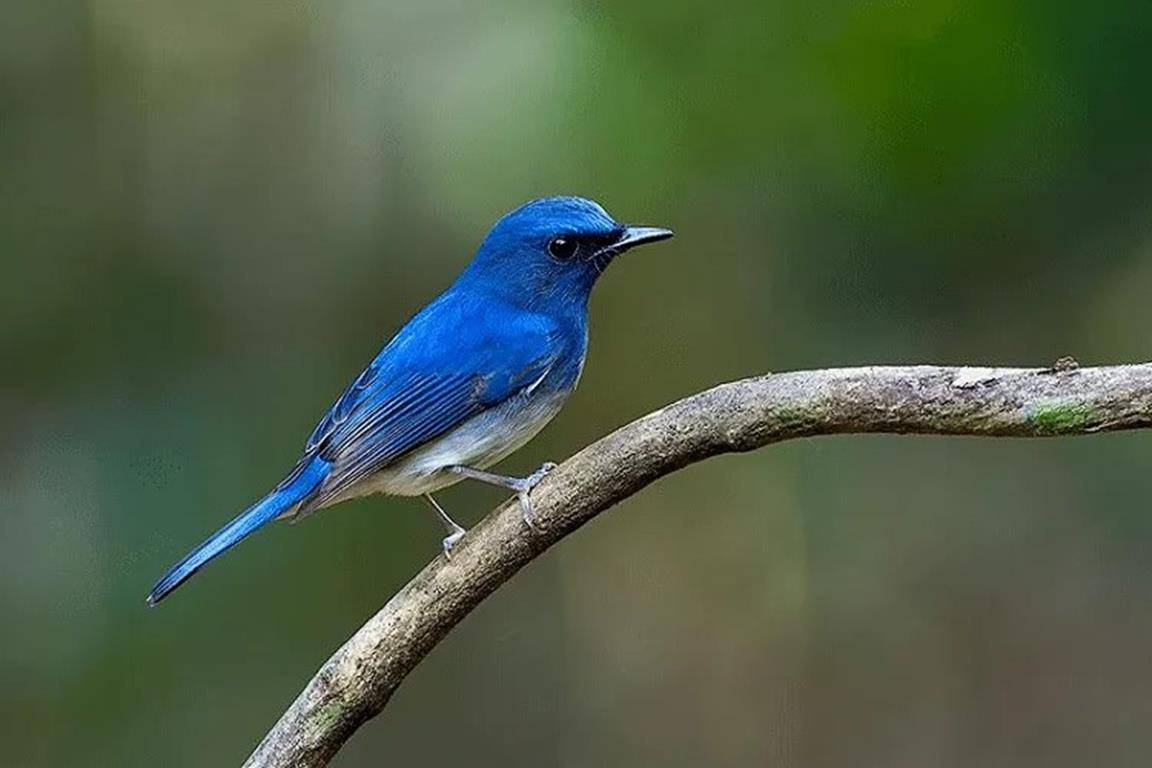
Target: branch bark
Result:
[356, 683]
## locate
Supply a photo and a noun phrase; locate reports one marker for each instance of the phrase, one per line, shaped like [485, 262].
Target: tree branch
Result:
[356, 683]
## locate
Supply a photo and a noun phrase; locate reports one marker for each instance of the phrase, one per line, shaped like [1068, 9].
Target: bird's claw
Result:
[451, 540]
[534, 479]
[523, 494]
[527, 511]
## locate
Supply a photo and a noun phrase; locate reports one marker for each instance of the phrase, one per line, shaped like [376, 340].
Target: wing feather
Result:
[413, 392]
[393, 420]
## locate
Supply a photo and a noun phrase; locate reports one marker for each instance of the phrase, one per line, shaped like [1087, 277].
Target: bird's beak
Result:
[634, 236]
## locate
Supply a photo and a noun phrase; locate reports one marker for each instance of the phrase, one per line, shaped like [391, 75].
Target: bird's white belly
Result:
[479, 442]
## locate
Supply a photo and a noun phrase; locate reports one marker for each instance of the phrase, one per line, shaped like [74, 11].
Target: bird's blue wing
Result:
[401, 417]
[408, 414]
[419, 388]
[342, 408]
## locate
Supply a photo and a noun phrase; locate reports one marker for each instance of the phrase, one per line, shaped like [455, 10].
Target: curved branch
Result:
[356, 683]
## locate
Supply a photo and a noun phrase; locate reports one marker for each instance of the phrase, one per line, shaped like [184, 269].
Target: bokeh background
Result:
[213, 213]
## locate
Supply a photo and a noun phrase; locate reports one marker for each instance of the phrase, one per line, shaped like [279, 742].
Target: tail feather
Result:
[281, 501]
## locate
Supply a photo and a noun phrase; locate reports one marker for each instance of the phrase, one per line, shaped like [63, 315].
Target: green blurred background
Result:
[214, 213]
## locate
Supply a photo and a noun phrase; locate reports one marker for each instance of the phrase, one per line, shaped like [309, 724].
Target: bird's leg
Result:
[521, 485]
[455, 532]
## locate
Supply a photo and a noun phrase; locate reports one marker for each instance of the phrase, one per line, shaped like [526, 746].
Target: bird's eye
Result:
[562, 248]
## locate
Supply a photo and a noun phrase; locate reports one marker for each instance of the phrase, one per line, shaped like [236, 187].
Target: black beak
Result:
[630, 237]
[634, 236]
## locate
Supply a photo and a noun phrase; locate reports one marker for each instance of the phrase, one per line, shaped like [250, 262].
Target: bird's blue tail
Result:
[302, 482]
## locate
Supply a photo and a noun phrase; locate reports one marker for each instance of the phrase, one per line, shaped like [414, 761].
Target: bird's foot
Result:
[522, 486]
[455, 531]
[534, 479]
[450, 541]
[524, 490]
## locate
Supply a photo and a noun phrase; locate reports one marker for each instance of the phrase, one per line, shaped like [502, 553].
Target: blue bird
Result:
[468, 380]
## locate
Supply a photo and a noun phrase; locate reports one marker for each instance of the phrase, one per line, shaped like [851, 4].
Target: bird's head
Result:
[553, 249]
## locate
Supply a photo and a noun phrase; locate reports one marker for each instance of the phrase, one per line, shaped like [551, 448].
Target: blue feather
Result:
[280, 501]
[470, 378]
[414, 393]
